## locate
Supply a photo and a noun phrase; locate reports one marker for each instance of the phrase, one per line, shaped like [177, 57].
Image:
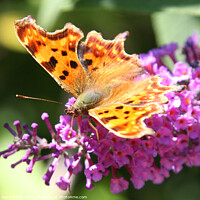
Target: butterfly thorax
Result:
[85, 101]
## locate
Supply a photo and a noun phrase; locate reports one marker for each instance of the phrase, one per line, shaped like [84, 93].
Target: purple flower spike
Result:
[175, 144]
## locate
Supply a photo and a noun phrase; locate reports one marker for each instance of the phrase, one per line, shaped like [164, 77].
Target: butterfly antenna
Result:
[39, 99]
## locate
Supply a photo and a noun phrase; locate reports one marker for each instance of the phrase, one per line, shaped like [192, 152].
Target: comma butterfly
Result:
[109, 84]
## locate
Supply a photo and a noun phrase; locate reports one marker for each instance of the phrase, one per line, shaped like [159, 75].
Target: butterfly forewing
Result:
[107, 60]
[56, 52]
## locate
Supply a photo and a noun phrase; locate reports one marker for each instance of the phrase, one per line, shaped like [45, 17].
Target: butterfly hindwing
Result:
[126, 121]
[147, 90]
[143, 98]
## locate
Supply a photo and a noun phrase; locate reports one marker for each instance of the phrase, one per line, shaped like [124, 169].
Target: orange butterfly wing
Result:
[126, 121]
[106, 59]
[126, 118]
[56, 52]
[148, 90]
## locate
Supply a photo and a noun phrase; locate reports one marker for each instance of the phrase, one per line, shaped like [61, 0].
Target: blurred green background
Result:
[150, 23]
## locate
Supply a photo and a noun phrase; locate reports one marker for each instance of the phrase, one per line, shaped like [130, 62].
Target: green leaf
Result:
[192, 6]
[174, 27]
[49, 11]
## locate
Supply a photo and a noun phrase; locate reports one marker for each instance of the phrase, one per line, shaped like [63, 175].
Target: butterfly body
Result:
[109, 84]
[88, 100]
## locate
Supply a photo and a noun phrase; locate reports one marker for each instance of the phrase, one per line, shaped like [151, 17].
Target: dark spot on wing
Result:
[95, 69]
[64, 53]
[107, 119]
[88, 62]
[119, 107]
[65, 72]
[38, 43]
[53, 61]
[73, 64]
[128, 102]
[62, 77]
[50, 66]
[54, 49]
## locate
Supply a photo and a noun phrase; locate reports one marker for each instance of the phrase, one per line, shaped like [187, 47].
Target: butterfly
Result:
[108, 84]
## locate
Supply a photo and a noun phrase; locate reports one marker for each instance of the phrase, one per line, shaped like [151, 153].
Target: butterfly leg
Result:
[71, 124]
[90, 123]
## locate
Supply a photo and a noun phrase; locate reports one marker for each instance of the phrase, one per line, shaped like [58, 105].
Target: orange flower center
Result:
[184, 73]
[182, 121]
[187, 100]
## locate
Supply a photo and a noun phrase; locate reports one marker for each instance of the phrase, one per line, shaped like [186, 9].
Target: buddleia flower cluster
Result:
[151, 158]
